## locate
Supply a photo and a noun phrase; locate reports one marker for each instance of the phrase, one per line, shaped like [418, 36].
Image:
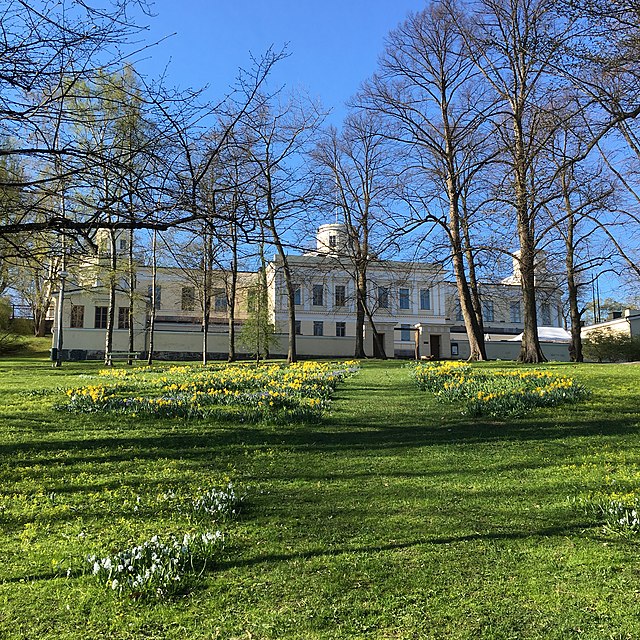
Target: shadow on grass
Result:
[273, 558]
[445, 540]
[205, 440]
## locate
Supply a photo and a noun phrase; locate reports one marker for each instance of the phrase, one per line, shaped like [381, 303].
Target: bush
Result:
[5, 314]
[604, 345]
[11, 343]
[22, 326]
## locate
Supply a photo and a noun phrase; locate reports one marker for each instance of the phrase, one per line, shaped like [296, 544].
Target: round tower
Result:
[332, 238]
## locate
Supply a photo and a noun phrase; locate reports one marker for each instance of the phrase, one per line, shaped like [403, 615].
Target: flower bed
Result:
[297, 392]
[167, 565]
[157, 568]
[496, 393]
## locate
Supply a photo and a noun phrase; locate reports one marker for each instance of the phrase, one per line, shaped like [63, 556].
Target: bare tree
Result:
[584, 200]
[276, 136]
[362, 183]
[427, 88]
[517, 45]
[47, 50]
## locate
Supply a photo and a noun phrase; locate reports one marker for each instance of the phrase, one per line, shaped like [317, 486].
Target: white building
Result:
[414, 306]
[410, 301]
[625, 322]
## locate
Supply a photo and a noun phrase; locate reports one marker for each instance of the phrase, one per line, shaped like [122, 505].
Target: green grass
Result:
[396, 517]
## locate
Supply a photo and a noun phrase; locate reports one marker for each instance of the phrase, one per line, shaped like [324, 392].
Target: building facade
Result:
[414, 306]
[625, 322]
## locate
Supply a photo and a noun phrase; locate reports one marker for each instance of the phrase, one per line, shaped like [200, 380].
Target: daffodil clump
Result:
[496, 393]
[298, 392]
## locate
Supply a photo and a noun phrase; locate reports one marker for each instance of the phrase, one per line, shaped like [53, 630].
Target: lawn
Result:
[394, 516]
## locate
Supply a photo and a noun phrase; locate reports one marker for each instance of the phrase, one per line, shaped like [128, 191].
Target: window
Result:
[77, 316]
[298, 328]
[403, 299]
[333, 241]
[188, 298]
[546, 314]
[459, 317]
[220, 302]
[123, 317]
[425, 299]
[318, 296]
[487, 310]
[318, 328]
[158, 295]
[515, 315]
[340, 298]
[405, 332]
[100, 318]
[297, 295]
[341, 329]
[454, 348]
[122, 244]
[383, 297]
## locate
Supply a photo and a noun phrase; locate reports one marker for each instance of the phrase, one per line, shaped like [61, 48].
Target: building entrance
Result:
[434, 346]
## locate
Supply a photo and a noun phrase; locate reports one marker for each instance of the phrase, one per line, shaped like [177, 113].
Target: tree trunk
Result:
[231, 300]
[472, 279]
[207, 261]
[291, 302]
[132, 286]
[475, 331]
[111, 309]
[40, 326]
[206, 310]
[572, 292]
[378, 344]
[530, 351]
[361, 297]
[152, 311]
[232, 289]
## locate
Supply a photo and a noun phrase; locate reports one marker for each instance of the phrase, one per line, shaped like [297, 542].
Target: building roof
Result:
[548, 334]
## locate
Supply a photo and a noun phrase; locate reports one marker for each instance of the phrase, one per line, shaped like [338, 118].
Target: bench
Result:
[123, 355]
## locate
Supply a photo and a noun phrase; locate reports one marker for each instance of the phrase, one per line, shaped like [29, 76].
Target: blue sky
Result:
[334, 45]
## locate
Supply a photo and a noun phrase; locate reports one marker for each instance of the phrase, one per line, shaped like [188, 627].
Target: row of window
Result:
[382, 297]
[319, 326]
[100, 321]
[318, 297]
[100, 317]
[188, 301]
[515, 312]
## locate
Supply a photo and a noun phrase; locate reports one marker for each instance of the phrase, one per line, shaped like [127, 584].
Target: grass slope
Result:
[396, 517]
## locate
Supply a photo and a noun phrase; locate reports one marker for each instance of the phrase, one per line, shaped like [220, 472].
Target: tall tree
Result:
[584, 197]
[361, 182]
[428, 89]
[518, 45]
[276, 137]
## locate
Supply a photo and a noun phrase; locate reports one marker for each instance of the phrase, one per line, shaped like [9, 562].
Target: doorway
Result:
[434, 346]
[378, 346]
